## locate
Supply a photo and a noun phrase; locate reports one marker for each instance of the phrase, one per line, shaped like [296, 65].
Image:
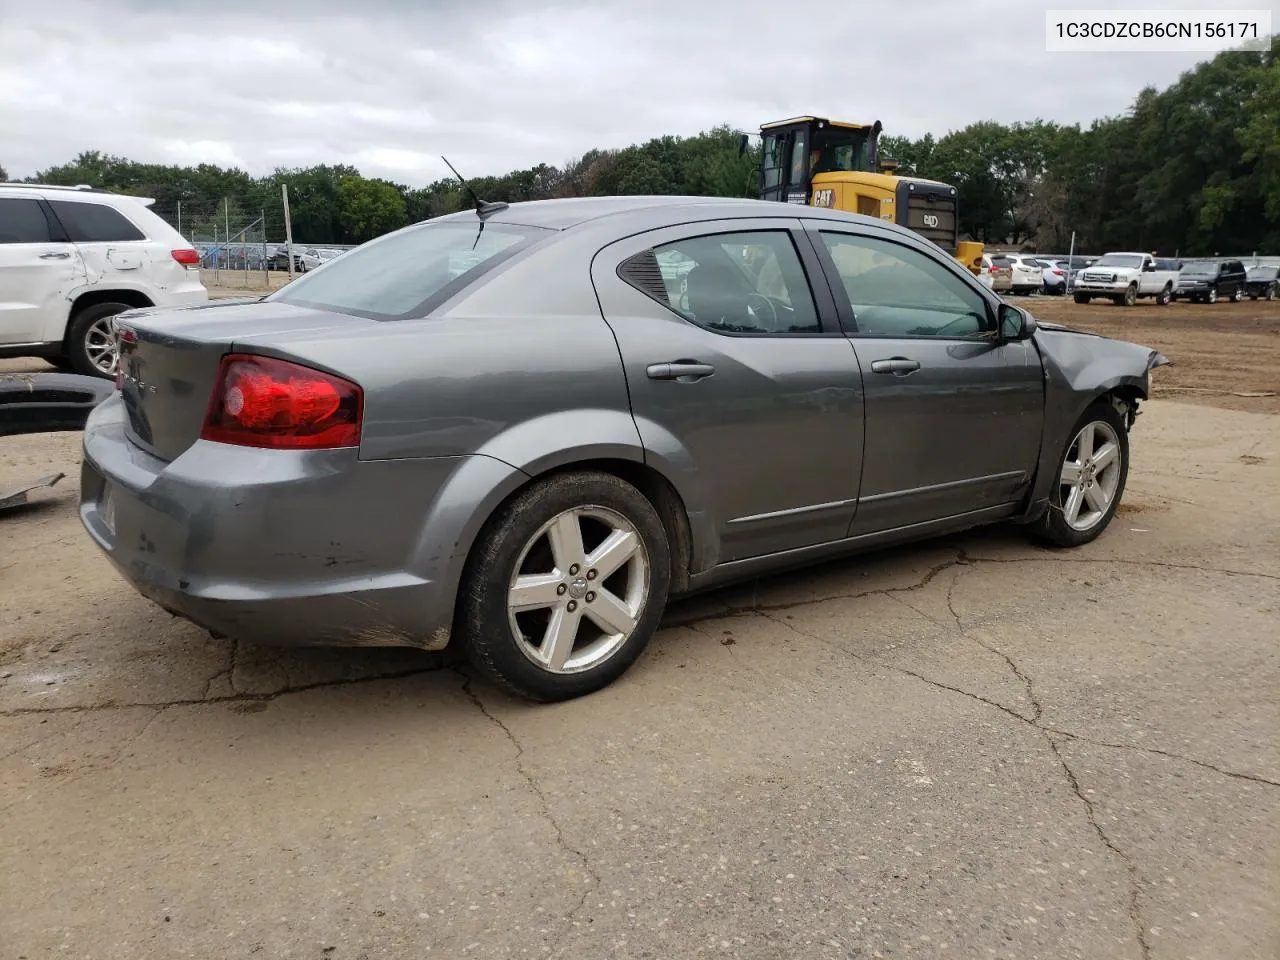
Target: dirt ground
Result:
[971, 747]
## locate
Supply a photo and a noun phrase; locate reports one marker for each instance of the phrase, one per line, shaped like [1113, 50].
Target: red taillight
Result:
[265, 402]
[1057, 273]
[187, 257]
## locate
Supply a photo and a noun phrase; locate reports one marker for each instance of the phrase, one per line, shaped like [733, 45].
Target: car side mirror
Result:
[1015, 323]
[1149, 268]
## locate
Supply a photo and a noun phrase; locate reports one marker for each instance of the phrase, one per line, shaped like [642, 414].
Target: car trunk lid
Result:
[170, 359]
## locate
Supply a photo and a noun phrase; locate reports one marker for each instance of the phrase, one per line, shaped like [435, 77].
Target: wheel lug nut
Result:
[561, 589]
[590, 597]
[573, 569]
[573, 605]
[591, 574]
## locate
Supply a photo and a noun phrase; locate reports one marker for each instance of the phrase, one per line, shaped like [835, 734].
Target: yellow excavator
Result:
[829, 163]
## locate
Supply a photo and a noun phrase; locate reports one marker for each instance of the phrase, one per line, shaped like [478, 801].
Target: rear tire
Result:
[605, 618]
[1237, 296]
[1212, 295]
[1082, 298]
[1085, 494]
[1271, 293]
[1165, 295]
[91, 349]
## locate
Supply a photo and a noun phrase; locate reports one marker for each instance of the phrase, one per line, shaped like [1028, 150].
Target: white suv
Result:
[73, 257]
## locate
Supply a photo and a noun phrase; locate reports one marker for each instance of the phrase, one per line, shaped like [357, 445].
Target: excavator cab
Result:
[828, 163]
[793, 151]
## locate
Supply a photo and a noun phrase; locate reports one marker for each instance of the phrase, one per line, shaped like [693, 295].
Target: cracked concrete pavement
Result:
[968, 747]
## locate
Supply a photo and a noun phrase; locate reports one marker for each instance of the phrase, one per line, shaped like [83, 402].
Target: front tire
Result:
[566, 586]
[91, 345]
[1091, 478]
[1212, 295]
[1082, 298]
[1130, 296]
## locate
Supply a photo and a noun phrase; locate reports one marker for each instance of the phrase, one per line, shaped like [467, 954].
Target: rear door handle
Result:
[897, 365]
[55, 256]
[686, 371]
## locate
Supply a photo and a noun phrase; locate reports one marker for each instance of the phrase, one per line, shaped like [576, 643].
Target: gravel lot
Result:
[971, 747]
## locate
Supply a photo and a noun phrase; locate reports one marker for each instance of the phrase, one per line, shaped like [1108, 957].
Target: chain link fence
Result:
[242, 247]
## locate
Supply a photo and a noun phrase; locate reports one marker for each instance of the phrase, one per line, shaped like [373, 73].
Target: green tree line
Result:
[1194, 169]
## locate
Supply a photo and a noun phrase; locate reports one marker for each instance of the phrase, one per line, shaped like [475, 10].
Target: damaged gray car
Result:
[522, 429]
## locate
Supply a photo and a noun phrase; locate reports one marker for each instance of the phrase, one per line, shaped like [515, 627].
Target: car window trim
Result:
[824, 302]
[844, 309]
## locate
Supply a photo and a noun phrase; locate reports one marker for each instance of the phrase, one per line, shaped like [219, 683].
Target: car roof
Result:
[569, 212]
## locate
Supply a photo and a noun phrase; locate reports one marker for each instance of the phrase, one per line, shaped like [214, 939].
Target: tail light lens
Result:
[265, 402]
[187, 257]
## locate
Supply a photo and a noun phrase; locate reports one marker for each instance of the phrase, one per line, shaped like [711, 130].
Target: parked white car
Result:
[1055, 276]
[1126, 278]
[1028, 274]
[71, 258]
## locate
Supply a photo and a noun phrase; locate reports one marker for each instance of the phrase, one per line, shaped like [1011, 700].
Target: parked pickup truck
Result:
[1126, 278]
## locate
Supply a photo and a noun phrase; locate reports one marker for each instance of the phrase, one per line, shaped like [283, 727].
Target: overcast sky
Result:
[389, 85]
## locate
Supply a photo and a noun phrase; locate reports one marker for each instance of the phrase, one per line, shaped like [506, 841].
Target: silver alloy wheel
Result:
[601, 591]
[100, 345]
[1090, 475]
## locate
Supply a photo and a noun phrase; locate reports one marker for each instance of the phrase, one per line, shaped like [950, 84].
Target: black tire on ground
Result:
[1212, 295]
[1237, 296]
[1130, 296]
[483, 622]
[1163, 298]
[1082, 298]
[1052, 528]
[1271, 293]
[76, 354]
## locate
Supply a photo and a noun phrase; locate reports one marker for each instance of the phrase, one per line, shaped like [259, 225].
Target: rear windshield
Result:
[399, 275]
[1262, 273]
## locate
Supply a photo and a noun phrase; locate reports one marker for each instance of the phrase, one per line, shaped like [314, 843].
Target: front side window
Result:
[747, 282]
[395, 276]
[896, 291]
[87, 222]
[22, 221]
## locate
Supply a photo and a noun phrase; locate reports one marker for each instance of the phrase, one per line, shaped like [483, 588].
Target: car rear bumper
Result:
[277, 547]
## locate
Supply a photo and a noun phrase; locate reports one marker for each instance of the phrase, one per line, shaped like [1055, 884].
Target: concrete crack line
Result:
[1128, 562]
[1154, 751]
[229, 673]
[1135, 878]
[731, 611]
[961, 559]
[228, 698]
[545, 806]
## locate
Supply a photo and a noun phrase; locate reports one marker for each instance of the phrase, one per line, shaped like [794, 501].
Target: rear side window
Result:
[22, 221]
[94, 222]
[401, 274]
[747, 283]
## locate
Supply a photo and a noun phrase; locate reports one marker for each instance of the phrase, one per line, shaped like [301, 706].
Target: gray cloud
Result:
[388, 86]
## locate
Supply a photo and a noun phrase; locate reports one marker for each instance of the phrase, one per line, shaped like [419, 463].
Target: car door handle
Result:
[686, 371]
[55, 256]
[897, 365]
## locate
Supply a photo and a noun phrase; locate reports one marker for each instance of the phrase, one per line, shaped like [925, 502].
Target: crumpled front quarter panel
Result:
[1080, 367]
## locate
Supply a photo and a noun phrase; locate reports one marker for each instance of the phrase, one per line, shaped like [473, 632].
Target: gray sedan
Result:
[521, 429]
